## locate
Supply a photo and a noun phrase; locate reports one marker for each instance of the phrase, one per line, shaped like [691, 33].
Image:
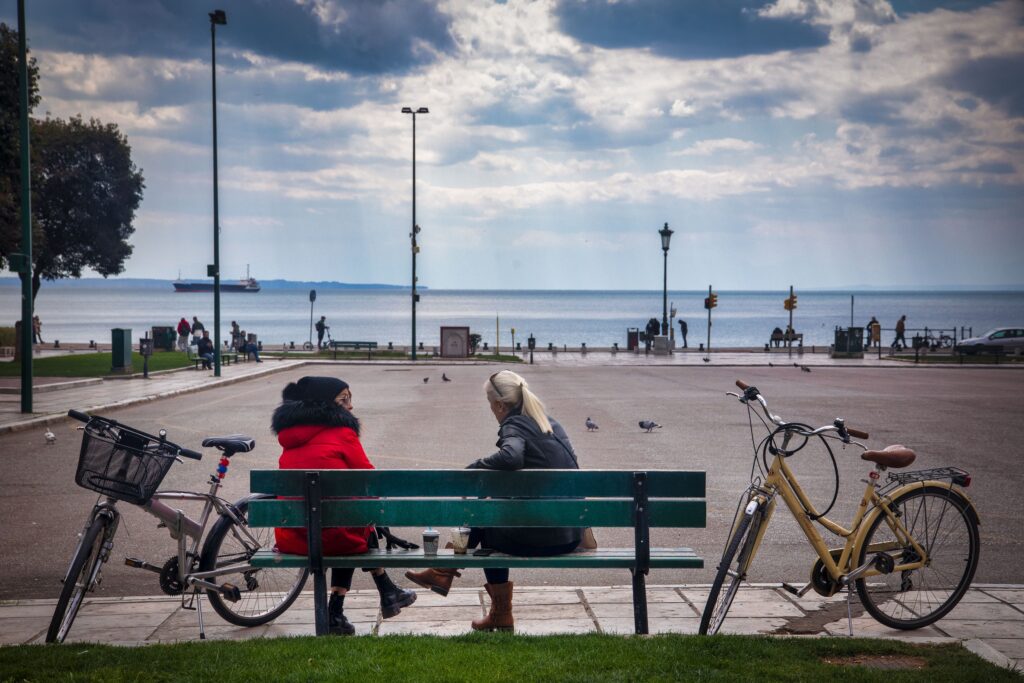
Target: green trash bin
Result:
[121, 358]
[163, 338]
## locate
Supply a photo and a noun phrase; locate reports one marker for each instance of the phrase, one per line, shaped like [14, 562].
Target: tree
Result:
[85, 187]
[10, 139]
[85, 191]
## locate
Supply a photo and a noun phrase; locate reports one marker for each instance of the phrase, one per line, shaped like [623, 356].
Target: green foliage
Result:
[85, 188]
[7, 336]
[10, 139]
[93, 364]
[500, 657]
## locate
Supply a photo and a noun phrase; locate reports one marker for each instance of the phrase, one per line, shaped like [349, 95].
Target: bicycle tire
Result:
[940, 520]
[266, 593]
[307, 346]
[82, 573]
[718, 603]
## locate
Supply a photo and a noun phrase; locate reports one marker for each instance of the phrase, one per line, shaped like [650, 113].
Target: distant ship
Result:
[249, 284]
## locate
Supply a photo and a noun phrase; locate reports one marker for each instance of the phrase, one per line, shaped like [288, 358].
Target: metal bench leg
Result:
[639, 602]
[320, 602]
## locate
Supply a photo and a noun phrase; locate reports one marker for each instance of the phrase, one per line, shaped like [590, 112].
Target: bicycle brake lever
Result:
[728, 393]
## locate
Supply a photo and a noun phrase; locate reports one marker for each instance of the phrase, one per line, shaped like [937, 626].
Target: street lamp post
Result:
[666, 237]
[415, 228]
[217, 17]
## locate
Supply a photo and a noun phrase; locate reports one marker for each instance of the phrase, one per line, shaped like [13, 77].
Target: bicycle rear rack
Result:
[955, 474]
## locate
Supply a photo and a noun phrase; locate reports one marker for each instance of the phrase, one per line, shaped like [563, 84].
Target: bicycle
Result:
[911, 550]
[124, 464]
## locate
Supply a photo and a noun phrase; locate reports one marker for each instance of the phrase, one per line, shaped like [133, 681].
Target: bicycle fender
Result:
[944, 486]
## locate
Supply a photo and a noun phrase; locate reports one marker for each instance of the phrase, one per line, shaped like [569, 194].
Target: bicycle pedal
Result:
[799, 592]
[230, 592]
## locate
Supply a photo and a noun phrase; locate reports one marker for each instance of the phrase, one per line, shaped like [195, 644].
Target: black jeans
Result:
[478, 537]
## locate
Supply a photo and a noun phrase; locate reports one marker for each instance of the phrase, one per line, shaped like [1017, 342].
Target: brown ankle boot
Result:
[500, 615]
[437, 580]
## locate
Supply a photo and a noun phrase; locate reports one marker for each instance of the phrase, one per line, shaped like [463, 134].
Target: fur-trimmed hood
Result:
[312, 413]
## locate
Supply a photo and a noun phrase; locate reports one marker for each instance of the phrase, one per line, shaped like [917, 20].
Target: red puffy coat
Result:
[320, 447]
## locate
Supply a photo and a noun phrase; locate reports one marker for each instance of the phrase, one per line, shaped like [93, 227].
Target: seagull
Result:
[51, 438]
[805, 368]
[649, 425]
[426, 379]
[444, 378]
[591, 425]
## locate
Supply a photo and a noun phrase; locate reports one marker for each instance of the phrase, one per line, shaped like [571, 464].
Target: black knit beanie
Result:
[324, 389]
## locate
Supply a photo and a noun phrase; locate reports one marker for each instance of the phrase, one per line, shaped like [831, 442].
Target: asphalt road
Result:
[951, 416]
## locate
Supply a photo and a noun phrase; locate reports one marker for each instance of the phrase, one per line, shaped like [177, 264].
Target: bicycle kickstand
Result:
[199, 613]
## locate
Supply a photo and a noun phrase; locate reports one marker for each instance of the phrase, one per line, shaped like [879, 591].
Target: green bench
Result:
[226, 357]
[452, 498]
[356, 345]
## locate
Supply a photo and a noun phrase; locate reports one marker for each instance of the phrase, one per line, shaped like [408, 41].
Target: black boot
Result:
[392, 598]
[337, 624]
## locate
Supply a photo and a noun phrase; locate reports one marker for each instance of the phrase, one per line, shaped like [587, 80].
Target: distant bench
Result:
[356, 345]
[450, 498]
[226, 357]
[787, 338]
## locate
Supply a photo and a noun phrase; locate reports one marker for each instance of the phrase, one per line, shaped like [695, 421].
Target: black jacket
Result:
[522, 446]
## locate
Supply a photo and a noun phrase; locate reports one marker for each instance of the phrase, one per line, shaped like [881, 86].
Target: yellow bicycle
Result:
[911, 550]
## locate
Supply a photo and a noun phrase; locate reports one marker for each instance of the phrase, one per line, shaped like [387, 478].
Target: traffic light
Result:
[712, 300]
[790, 303]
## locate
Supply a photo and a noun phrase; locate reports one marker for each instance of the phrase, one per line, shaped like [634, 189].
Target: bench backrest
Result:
[526, 498]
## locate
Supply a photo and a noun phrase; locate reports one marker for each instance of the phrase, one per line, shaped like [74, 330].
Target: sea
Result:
[76, 311]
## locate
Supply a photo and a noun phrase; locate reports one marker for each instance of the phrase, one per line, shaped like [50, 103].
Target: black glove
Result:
[393, 541]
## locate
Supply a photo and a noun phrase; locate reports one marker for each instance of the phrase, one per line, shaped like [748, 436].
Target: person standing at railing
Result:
[317, 431]
[901, 327]
[321, 327]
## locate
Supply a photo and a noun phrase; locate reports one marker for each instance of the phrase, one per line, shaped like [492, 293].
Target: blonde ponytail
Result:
[509, 388]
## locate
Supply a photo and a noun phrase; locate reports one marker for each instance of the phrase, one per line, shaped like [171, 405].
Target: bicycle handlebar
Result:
[838, 426]
[178, 450]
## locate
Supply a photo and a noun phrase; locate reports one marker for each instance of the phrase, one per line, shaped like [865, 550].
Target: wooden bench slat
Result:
[432, 483]
[476, 512]
[624, 558]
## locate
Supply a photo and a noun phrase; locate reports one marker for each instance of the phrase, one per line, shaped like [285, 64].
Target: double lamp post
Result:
[415, 228]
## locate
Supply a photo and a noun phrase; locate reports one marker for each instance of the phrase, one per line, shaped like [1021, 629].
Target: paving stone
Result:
[554, 597]
[621, 626]
[131, 607]
[275, 630]
[213, 632]
[435, 613]
[535, 612]
[983, 610]
[431, 628]
[747, 626]
[1013, 595]
[86, 620]
[17, 611]
[16, 630]
[679, 610]
[542, 627]
[1011, 647]
[867, 627]
[982, 628]
[461, 598]
[625, 595]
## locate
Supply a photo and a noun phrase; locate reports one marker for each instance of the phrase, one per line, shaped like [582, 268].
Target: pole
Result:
[664, 297]
[851, 310]
[27, 333]
[497, 334]
[216, 211]
[414, 235]
[311, 324]
[709, 322]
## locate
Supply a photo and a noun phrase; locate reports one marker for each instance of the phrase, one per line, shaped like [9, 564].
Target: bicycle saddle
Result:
[236, 443]
[891, 456]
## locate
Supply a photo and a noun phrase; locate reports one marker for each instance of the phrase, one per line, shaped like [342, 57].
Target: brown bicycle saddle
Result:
[891, 456]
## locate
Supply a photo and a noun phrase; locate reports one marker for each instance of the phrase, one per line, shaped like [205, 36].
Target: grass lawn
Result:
[93, 364]
[503, 657]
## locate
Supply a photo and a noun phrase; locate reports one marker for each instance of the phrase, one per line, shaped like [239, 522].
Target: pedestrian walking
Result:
[197, 329]
[37, 330]
[184, 330]
[901, 326]
[683, 329]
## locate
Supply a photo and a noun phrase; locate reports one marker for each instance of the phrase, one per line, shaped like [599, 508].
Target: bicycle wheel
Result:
[740, 547]
[85, 567]
[265, 593]
[942, 523]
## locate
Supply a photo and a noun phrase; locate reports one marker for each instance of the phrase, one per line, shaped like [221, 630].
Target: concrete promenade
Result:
[699, 434]
[989, 620]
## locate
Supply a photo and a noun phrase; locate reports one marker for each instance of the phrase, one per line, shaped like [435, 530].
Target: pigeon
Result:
[805, 368]
[771, 365]
[426, 379]
[591, 425]
[51, 438]
[444, 378]
[796, 365]
[706, 360]
[649, 425]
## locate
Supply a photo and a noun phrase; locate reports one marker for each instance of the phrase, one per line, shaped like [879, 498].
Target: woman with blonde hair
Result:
[527, 439]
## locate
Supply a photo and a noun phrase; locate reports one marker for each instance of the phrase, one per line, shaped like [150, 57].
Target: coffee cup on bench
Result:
[460, 539]
[430, 537]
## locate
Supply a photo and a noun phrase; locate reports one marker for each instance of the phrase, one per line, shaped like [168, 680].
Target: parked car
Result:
[1008, 338]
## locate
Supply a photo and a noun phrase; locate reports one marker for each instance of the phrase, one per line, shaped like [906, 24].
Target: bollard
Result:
[92, 343]
[615, 347]
[583, 347]
[551, 346]
[56, 343]
[291, 345]
[766, 347]
[391, 346]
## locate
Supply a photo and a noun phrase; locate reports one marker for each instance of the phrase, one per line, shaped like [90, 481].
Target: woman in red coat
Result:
[317, 431]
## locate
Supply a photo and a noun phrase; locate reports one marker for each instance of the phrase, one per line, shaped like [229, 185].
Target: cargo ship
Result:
[249, 284]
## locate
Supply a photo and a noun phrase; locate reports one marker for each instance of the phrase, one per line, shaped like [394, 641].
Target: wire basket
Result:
[121, 463]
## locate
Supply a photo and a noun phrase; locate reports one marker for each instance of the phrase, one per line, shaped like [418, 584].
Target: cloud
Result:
[687, 29]
[707, 147]
[995, 79]
[357, 36]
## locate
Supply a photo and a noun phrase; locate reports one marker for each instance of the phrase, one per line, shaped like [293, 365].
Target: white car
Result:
[1008, 338]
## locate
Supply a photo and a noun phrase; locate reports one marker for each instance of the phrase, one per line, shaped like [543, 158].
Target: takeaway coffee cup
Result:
[460, 539]
[430, 537]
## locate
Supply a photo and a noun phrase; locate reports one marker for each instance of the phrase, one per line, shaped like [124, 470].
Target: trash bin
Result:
[842, 340]
[855, 339]
[632, 338]
[163, 338]
[849, 342]
[121, 342]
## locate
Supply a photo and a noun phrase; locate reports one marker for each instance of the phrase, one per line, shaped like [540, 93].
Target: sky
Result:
[814, 143]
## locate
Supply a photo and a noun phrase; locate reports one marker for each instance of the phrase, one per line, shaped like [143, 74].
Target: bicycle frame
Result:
[782, 482]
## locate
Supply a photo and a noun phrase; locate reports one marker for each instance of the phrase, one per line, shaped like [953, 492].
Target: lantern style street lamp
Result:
[666, 237]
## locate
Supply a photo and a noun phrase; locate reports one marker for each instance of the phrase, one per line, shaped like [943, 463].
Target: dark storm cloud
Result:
[997, 80]
[882, 110]
[686, 29]
[375, 36]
